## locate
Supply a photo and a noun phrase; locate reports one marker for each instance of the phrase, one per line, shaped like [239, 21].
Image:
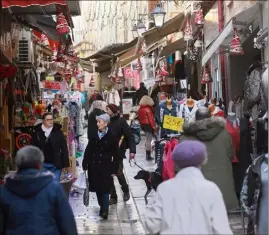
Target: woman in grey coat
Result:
[212, 132]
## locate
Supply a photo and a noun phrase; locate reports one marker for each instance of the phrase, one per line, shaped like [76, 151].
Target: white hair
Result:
[29, 157]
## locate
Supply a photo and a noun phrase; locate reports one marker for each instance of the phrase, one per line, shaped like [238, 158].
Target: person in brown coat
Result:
[212, 132]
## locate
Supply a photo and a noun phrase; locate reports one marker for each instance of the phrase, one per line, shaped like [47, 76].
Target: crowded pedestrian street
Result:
[133, 117]
[126, 217]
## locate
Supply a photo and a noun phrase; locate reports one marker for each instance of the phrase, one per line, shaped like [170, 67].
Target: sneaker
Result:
[126, 196]
[113, 201]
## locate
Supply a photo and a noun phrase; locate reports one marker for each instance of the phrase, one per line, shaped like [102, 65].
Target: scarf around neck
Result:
[101, 134]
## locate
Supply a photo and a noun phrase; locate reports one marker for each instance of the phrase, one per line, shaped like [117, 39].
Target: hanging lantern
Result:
[188, 31]
[163, 68]
[235, 45]
[69, 47]
[120, 73]
[61, 51]
[54, 53]
[206, 76]
[92, 81]
[61, 24]
[199, 18]
[44, 40]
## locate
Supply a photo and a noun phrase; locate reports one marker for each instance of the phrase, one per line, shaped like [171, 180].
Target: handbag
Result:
[86, 194]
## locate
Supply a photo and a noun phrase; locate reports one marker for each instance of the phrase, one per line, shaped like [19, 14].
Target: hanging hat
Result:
[199, 18]
[44, 40]
[206, 76]
[54, 53]
[235, 45]
[188, 31]
[61, 24]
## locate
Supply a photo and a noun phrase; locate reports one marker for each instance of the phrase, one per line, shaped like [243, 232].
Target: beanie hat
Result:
[114, 108]
[189, 153]
[104, 117]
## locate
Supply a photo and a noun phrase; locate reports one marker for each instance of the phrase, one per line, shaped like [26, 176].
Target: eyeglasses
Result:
[48, 119]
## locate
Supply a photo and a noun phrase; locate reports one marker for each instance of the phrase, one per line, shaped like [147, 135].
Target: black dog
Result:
[152, 180]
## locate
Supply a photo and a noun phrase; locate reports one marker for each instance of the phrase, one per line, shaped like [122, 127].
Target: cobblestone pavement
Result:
[125, 218]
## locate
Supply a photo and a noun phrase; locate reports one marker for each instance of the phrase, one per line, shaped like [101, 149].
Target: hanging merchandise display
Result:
[188, 31]
[138, 66]
[54, 53]
[199, 18]
[92, 81]
[61, 24]
[161, 72]
[235, 45]
[199, 41]
[206, 76]
[193, 53]
[44, 40]
[120, 73]
[178, 56]
[7, 71]
[69, 47]
[68, 72]
[61, 51]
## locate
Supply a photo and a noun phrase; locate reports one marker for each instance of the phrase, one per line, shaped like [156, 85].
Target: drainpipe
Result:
[221, 55]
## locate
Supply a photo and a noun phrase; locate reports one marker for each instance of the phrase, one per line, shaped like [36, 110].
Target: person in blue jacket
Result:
[32, 202]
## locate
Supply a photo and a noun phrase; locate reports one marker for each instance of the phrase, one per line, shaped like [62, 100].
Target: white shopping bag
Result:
[81, 181]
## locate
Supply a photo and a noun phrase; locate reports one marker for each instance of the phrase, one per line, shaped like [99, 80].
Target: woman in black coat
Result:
[49, 138]
[101, 160]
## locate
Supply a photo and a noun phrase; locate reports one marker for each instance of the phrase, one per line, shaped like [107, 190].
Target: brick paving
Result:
[125, 218]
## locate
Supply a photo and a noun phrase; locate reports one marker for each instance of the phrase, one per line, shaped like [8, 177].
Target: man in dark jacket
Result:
[140, 93]
[122, 131]
[49, 138]
[32, 202]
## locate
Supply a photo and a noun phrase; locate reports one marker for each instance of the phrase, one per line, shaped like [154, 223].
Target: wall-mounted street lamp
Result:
[158, 15]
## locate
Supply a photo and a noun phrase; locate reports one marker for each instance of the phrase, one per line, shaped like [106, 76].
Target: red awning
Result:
[27, 3]
[51, 42]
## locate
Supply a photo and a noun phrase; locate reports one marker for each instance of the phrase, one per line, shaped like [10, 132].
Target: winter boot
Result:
[148, 156]
[126, 196]
[104, 214]
[113, 201]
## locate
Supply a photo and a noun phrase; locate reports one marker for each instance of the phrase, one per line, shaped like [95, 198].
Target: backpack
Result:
[135, 129]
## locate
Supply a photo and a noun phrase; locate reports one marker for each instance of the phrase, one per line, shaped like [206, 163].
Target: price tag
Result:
[173, 123]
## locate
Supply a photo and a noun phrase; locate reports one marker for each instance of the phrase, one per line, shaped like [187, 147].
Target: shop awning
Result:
[41, 23]
[131, 55]
[178, 45]
[171, 26]
[112, 50]
[156, 45]
[41, 7]
[241, 21]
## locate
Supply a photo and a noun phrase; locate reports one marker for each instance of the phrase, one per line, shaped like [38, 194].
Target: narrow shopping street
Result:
[125, 218]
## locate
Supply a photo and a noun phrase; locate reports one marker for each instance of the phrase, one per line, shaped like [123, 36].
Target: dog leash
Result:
[135, 164]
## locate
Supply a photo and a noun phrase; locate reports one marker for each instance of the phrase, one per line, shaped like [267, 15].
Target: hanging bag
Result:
[86, 194]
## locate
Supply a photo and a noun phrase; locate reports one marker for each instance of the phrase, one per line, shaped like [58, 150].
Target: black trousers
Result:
[122, 181]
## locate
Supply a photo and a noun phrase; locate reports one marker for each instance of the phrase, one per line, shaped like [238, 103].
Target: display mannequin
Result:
[169, 107]
[188, 110]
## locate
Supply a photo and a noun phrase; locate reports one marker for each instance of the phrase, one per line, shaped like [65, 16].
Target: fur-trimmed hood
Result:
[205, 130]
[146, 101]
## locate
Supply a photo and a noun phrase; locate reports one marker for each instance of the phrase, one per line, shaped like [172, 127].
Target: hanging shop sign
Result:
[173, 123]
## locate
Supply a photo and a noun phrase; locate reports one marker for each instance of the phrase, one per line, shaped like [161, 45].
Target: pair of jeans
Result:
[122, 181]
[50, 167]
[103, 200]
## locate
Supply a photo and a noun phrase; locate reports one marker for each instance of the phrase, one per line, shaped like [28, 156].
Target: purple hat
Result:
[189, 153]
